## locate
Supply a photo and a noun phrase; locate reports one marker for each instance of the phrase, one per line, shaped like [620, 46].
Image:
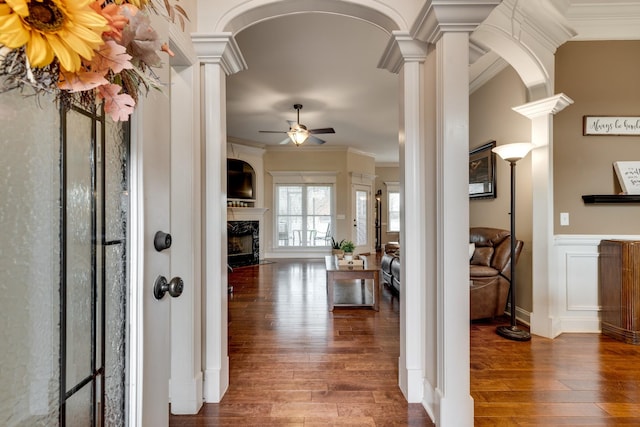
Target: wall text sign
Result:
[611, 125]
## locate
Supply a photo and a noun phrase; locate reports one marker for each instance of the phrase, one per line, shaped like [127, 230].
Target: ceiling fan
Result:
[298, 133]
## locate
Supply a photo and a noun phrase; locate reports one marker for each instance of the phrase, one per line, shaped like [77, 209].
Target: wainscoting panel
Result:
[575, 301]
[582, 281]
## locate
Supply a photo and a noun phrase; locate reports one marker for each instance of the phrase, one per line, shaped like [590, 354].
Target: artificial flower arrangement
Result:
[83, 51]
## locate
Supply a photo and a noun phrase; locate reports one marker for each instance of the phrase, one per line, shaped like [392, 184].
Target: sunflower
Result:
[140, 4]
[62, 29]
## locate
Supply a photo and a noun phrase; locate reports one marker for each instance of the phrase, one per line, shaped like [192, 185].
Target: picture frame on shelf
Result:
[628, 173]
[482, 175]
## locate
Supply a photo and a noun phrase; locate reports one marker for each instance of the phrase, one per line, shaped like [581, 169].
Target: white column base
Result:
[190, 392]
[410, 382]
[456, 412]
[216, 382]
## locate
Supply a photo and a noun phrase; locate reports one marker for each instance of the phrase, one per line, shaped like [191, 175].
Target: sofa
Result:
[390, 267]
[489, 270]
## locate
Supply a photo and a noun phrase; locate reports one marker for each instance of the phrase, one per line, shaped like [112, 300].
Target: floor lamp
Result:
[512, 153]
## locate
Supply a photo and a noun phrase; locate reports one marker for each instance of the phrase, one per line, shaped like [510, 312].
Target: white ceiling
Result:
[328, 63]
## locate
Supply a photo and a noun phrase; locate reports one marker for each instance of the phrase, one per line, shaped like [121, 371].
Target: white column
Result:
[413, 234]
[221, 56]
[545, 302]
[447, 26]
[406, 57]
[186, 249]
[216, 366]
[452, 121]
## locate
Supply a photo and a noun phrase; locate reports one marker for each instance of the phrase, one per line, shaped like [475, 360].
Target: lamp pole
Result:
[512, 153]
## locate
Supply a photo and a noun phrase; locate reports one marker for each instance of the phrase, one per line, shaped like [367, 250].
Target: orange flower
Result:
[115, 19]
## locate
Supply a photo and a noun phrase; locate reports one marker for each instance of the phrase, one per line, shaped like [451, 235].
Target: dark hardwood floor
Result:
[293, 363]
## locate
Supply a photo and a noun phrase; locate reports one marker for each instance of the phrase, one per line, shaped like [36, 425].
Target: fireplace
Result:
[243, 246]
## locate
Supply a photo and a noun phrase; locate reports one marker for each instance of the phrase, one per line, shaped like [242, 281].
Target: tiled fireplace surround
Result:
[243, 243]
[245, 233]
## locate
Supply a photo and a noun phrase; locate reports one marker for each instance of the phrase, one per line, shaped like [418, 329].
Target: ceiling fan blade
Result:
[272, 131]
[322, 130]
[285, 141]
[315, 140]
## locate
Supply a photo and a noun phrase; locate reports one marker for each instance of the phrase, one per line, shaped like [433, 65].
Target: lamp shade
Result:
[298, 135]
[513, 152]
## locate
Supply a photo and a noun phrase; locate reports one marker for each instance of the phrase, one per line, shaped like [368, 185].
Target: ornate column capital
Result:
[219, 48]
[440, 16]
[551, 105]
[402, 48]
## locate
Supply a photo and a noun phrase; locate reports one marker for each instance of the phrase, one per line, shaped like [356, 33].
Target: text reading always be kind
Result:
[608, 125]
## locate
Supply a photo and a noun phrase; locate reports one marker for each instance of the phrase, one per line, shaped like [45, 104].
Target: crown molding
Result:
[245, 142]
[234, 148]
[315, 148]
[388, 165]
[538, 22]
[611, 20]
[221, 49]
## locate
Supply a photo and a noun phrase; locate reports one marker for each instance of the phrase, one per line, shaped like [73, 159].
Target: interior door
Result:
[361, 210]
[151, 179]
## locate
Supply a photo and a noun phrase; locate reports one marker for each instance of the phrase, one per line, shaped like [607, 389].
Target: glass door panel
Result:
[94, 286]
[361, 217]
[79, 298]
[29, 220]
[114, 256]
[64, 192]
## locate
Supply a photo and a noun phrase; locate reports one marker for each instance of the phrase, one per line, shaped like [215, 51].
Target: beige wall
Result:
[603, 78]
[491, 118]
[386, 174]
[342, 161]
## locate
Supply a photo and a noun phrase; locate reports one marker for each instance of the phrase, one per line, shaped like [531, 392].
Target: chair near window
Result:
[283, 234]
[300, 240]
[325, 237]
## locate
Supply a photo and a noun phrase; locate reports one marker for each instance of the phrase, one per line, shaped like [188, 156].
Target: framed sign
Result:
[628, 174]
[611, 125]
[482, 177]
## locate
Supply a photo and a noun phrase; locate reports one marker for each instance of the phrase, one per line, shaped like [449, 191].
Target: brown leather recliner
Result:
[490, 271]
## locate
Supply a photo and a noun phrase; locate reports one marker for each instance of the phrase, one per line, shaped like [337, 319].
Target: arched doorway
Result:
[433, 141]
[225, 58]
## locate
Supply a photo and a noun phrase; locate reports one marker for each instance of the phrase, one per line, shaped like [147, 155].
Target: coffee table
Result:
[337, 272]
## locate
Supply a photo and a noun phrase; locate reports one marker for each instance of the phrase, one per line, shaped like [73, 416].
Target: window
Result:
[393, 212]
[304, 208]
[303, 214]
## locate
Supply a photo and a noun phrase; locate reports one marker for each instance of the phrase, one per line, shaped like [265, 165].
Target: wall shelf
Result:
[611, 198]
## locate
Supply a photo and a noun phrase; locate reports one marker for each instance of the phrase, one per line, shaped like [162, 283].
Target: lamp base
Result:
[513, 333]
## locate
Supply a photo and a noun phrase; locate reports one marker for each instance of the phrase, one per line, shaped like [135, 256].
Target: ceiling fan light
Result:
[298, 135]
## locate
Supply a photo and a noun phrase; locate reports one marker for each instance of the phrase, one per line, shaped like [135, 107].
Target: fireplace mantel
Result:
[246, 211]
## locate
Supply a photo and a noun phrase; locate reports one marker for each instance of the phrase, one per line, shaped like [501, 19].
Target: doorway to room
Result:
[357, 224]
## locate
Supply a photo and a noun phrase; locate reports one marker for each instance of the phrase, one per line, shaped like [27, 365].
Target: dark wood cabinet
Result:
[619, 276]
